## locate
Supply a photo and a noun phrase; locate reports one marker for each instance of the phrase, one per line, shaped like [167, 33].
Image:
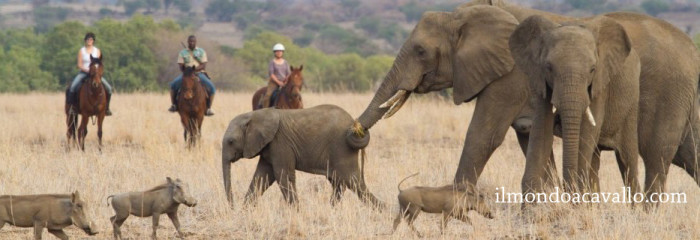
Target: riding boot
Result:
[109, 99]
[173, 101]
[209, 112]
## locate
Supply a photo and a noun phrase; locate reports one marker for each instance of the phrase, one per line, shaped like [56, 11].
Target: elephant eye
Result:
[593, 69]
[420, 50]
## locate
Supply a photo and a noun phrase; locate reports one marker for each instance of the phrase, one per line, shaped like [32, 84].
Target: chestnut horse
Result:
[191, 104]
[92, 101]
[289, 96]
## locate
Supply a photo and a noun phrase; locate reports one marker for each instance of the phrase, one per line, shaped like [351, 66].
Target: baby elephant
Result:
[451, 201]
[314, 140]
[165, 198]
[52, 211]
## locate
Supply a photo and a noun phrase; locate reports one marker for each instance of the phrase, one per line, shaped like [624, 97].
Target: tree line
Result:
[140, 55]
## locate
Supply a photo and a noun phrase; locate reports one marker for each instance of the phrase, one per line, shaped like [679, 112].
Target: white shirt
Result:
[86, 56]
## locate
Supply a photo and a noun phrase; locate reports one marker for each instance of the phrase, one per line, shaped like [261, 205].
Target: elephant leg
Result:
[338, 189]
[357, 185]
[492, 116]
[588, 142]
[552, 179]
[262, 179]
[593, 179]
[286, 179]
[627, 162]
[689, 150]
[540, 147]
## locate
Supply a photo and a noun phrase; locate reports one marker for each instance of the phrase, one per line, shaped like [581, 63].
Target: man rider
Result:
[197, 57]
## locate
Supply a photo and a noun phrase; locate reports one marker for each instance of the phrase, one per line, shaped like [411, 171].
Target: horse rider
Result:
[84, 54]
[192, 56]
[278, 70]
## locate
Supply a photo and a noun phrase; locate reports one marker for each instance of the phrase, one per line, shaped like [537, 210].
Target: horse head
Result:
[189, 81]
[95, 71]
[295, 82]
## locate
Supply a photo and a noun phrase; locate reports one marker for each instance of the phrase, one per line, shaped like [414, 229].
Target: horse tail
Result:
[399, 186]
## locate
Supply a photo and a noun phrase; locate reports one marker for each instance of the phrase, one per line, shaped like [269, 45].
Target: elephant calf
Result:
[164, 198]
[450, 200]
[314, 140]
[52, 211]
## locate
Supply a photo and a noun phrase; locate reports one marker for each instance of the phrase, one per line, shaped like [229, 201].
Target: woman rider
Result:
[83, 64]
[278, 70]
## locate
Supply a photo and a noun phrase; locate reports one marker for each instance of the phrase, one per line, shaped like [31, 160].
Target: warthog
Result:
[450, 200]
[165, 198]
[51, 211]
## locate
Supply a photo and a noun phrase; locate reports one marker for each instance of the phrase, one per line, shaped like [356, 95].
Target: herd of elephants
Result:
[619, 81]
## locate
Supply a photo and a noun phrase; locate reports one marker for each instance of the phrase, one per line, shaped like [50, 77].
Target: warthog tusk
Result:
[392, 101]
[590, 116]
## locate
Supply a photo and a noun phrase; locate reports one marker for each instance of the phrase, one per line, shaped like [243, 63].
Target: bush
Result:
[654, 7]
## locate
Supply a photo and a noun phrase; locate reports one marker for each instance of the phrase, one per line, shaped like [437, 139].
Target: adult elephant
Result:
[585, 67]
[468, 50]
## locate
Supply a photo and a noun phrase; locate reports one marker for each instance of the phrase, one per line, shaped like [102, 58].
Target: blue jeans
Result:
[79, 78]
[177, 83]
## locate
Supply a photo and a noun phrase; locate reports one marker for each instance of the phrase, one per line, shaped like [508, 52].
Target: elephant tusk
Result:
[554, 109]
[392, 101]
[397, 105]
[590, 116]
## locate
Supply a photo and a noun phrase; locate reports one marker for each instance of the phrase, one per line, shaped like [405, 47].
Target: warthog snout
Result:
[90, 230]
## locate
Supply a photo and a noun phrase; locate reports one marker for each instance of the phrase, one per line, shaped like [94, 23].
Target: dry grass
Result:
[143, 145]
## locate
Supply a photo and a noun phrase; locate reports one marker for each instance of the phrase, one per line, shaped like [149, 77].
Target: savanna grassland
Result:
[143, 145]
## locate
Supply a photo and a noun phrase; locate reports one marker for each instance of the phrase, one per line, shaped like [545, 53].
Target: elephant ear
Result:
[481, 49]
[526, 45]
[260, 131]
[613, 47]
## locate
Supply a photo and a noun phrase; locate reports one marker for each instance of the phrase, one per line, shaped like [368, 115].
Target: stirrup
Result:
[173, 108]
[209, 112]
[108, 112]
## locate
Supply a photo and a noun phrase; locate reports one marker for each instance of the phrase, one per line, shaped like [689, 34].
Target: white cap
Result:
[278, 47]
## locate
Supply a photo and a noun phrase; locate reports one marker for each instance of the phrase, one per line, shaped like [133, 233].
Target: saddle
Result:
[273, 98]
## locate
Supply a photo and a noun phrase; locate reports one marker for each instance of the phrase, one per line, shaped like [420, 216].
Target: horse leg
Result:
[82, 131]
[185, 124]
[199, 120]
[100, 119]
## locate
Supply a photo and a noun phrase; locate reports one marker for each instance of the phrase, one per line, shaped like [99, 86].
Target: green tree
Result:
[61, 50]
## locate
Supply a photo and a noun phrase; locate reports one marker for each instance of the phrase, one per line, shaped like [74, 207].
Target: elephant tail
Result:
[110, 196]
[357, 137]
[399, 186]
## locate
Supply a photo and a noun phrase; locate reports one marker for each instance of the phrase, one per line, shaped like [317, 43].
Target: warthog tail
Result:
[399, 186]
[110, 196]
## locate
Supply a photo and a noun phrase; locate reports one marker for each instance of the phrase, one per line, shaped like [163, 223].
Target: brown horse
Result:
[191, 104]
[289, 96]
[92, 101]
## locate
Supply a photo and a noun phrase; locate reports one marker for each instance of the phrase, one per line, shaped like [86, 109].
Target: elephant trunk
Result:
[226, 166]
[388, 93]
[572, 106]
